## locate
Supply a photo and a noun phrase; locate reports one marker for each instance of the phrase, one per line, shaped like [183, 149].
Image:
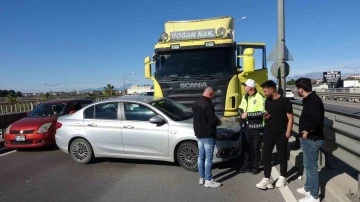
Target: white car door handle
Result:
[128, 126]
[92, 125]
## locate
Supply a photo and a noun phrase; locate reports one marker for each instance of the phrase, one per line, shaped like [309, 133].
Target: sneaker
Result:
[265, 183]
[309, 198]
[281, 182]
[211, 183]
[201, 181]
[302, 191]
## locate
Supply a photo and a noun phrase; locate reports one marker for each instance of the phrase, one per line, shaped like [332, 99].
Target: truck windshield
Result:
[206, 62]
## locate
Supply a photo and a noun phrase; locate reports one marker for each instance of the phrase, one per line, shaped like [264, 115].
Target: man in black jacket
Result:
[205, 123]
[311, 125]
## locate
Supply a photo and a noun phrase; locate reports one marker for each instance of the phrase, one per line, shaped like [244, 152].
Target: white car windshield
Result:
[173, 110]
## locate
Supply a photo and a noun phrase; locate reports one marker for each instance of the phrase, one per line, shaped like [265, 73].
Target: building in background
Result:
[352, 81]
[137, 89]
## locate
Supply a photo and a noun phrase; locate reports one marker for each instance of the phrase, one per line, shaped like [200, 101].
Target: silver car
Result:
[141, 127]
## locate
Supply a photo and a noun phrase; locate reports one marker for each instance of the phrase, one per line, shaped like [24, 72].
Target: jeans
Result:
[206, 150]
[311, 150]
[281, 142]
[251, 143]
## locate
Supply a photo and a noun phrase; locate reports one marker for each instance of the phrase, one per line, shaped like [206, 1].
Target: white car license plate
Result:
[20, 138]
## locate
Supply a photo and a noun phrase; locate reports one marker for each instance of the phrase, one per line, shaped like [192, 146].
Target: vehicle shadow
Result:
[39, 149]
[133, 161]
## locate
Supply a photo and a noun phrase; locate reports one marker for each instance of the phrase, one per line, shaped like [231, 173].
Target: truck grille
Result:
[188, 97]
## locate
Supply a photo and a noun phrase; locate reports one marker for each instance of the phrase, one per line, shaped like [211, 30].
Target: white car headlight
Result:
[44, 128]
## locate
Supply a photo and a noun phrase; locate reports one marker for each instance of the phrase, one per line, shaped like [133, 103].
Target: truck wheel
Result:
[187, 155]
[81, 151]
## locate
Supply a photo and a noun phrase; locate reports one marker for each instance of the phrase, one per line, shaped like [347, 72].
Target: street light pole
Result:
[281, 47]
[128, 75]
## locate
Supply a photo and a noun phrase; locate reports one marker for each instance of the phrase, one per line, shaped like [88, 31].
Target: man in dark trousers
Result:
[205, 123]
[251, 111]
[311, 124]
[278, 126]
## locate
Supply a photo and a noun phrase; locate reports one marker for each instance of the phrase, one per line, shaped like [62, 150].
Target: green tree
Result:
[291, 82]
[109, 90]
[5, 93]
[46, 96]
[11, 98]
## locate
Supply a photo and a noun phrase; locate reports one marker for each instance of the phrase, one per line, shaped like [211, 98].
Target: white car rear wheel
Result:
[81, 151]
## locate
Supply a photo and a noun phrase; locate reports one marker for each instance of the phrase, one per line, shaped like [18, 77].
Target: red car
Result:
[38, 128]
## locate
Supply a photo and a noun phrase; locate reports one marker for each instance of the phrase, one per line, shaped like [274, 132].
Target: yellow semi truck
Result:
[191, 55]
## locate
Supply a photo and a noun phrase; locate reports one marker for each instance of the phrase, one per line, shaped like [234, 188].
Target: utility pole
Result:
[280, 69]
[281, 48]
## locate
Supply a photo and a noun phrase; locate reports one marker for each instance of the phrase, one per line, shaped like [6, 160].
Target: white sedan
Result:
[141, 127]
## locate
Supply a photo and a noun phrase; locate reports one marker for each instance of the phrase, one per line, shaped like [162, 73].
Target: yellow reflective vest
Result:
[254, 105]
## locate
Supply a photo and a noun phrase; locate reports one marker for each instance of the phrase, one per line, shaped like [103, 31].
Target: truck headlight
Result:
[44, 128]
[164, 36]
[221, 31]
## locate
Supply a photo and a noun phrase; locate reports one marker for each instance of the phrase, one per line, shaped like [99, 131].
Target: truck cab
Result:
[192, 55]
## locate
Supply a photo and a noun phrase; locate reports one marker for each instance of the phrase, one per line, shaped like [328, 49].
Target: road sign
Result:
[275, 69]
[273, 55]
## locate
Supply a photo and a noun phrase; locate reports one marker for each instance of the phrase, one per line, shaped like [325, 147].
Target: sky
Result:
[88, 44]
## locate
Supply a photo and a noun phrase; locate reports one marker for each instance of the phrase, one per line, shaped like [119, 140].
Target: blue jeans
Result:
[311, 150]
[206, 150]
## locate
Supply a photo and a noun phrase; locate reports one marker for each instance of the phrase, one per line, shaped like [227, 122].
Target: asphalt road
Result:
[44, 176]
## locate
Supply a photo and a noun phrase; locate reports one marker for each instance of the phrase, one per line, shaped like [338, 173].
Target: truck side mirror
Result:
[248, 60]
[147, 68]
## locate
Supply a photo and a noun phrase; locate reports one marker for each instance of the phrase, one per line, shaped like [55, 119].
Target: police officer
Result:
[252, 121]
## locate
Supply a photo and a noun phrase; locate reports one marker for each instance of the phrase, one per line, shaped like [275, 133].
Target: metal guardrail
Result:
[341, 90]
[355, 95]
[347, 97]
[6, 108]
[342, 138]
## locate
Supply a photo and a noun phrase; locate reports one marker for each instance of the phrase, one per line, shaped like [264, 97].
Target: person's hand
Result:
[288, 134]
[267, 115]
[304, 134]
[244, 115]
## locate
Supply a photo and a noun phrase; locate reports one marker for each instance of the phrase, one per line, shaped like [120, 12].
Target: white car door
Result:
[102, 124]
[140, 137]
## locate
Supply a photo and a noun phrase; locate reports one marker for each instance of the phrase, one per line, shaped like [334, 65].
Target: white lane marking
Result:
[285, 191]
[10, 152]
